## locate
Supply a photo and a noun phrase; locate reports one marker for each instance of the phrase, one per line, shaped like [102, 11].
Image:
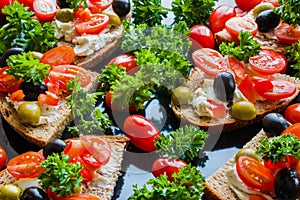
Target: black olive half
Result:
[34, 193]
[273, 124]
[54, 146]
[9, 52]
[32, 91]
[121, 7]
[63, 3]
[267, 20]
[224, 86]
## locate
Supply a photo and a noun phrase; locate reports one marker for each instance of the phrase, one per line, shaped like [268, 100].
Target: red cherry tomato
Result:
[287, 34]
[262, 84]
[141, 132]
[104, 4]
[3, 157]
[274, 167]
[81, 196]
[209, 61]
[247, 5]
[4, 3]
[17, 96]
[45, 10]
[27, 3]
[83, 14]
[218, 109]
[237, 24]
[292, 113]
[109, 102]
[60, 55]
[201, 37]
[8, 83]
[126, 60]
[48, 99]
[293, 129]
[247, 89]
[238, 69]
[268, 62]
[26, 165]
[219, 16]
[254, 174]
[274, 2]
[96, 24]
[168, 166]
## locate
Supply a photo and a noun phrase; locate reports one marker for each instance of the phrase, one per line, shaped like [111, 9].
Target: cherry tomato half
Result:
[3, 157]
[141, 132]
[237, 24]
[219, 16]
[292, 113]
[45, 10]
[287, 34]
[4, 3]
[109, 102]
[238, 69]
[293, 129]
[168, 166]
[247, 89]
[96, 24]
[275, 167]
[26, 165]
[27, 3]
[126, 60]
[201, 37]
[104, 4]
[8, 83]
[254, 174]
[209, 61]
[60, 55]
[247, 5]
[49, 99]
[268, 62]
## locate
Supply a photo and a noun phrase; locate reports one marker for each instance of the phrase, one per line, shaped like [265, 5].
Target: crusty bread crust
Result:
[187, 112]
[103, 185]
[217, 186]
[42, 134]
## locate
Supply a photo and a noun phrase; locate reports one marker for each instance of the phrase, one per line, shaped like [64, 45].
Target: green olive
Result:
[114, 19]
[181, 95]
[243, 110]
[65, 15]
[261, 7]
[29, 112]
[10, 192]
[247, 152]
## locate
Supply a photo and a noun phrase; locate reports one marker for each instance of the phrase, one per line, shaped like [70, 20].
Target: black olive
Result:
[32, 91]
[54, 146]
[9, 52]
[34, 193]
[267, 20]
[63, 3]
[273, 124]
[121, 7]
[287, 184]
[224, 86]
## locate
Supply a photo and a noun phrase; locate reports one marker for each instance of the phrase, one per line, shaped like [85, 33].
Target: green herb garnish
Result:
[75, 4]
[289, 11]
[26, 67]
[248, 47]
[184, 143]
[292, 53]
[59, 176]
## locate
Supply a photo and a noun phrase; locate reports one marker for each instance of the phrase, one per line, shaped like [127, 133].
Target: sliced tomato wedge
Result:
[8, 83]
[26, 165]
[96, 24]
[60, 55]
[17, 96]
[287, 34]
[254, 174]
[247, 89]
[45, 10]
[268, 62]
[209, 61]
[104, 4]
[293, 129]
[289, 161]
[49, 98]
[237, 24]
[238, 69]
[262, 84]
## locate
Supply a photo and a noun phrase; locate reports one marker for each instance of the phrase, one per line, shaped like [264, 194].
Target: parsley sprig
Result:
[26, 67]
[21, 30]
[184, 143]
[293, 54]
[289, 11]
[59, 176]
[187, 184]
[247, 47]
[278, 147]
[75, 4]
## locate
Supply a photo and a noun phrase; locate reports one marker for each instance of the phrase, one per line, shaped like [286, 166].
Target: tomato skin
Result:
[275, 167]
[60, 55]
[236, 24]
[48, 99]
[4, 3]
[247, 89]
[238, 69]
[109, 103]
[3, 157]
[219, 16]
[287, 34]
[141, 132]
[247, 5]
[254, 174]
[201, 37]
[28, 3]
[96, 24]
[168, 166]
[293, 129]
[81, 196]
[274, 2]
[26, 165]
[8, 83]
[45, 10]
[209, 61]
[17, 96]
[126, 60]
[292, 113]
[104, 4]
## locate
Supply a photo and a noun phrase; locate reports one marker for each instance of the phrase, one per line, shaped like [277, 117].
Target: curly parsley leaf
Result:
[247, 47]
[292, 53]
[59, 176]
[289, 11]
[184, 143]
[278, 147]
[75, 4]
[26, 67]
[187, 184]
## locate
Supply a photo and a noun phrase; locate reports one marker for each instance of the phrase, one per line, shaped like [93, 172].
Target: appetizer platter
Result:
[162, 104]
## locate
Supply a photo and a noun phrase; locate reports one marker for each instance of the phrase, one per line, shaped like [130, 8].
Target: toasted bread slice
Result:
[187, 112]
[217, 186]
[40, 135]
[103, 185]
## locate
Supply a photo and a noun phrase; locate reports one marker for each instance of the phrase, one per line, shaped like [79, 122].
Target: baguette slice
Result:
[217, 185]
[42, 134]
[187, 113]
[103, 186]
